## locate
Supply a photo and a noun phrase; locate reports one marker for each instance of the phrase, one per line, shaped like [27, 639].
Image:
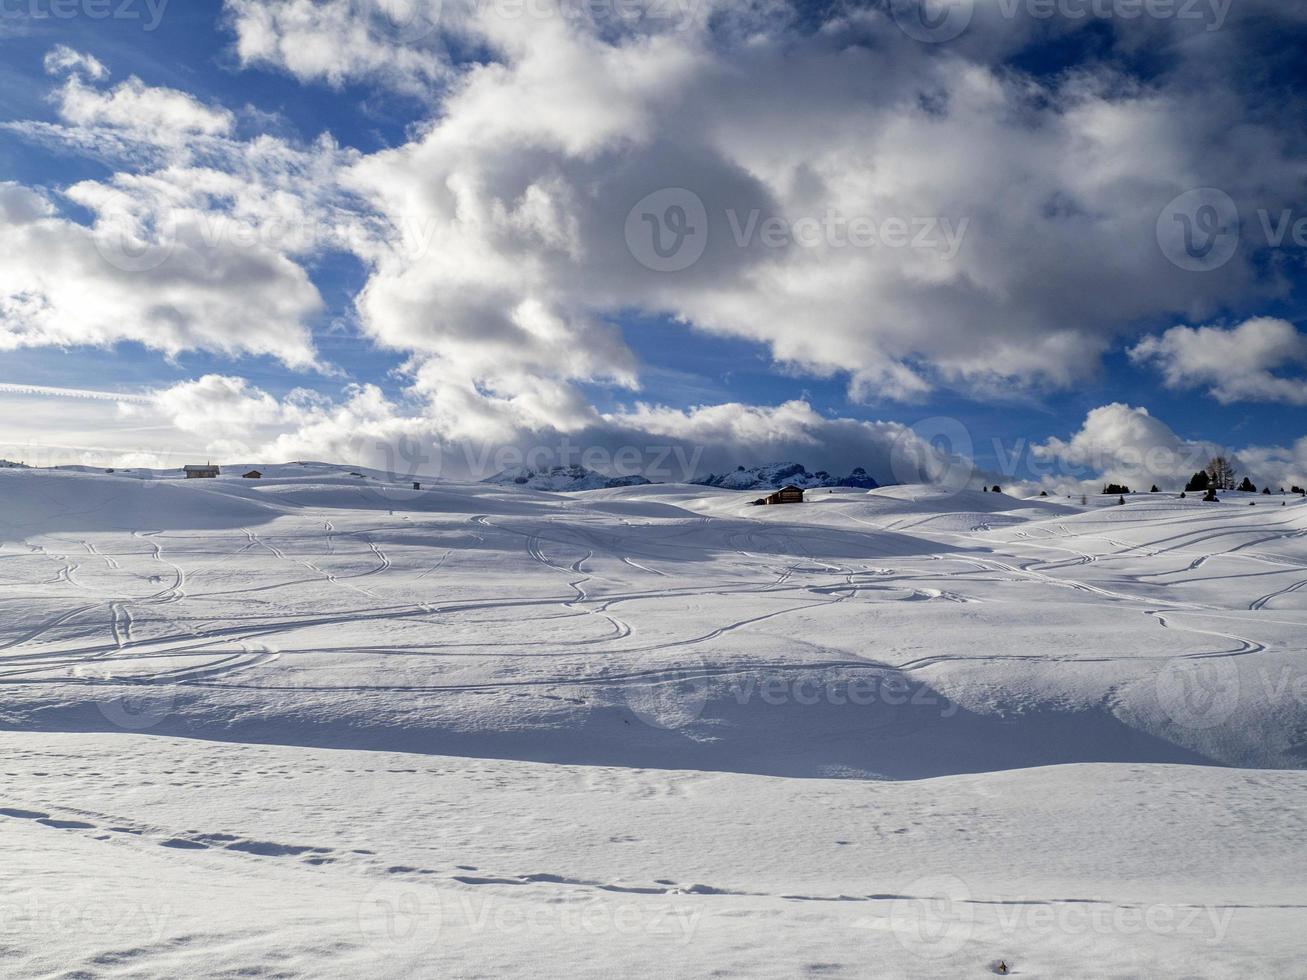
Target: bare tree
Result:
[1220, 471]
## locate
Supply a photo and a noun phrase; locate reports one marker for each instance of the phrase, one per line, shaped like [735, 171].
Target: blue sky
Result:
[524, 144]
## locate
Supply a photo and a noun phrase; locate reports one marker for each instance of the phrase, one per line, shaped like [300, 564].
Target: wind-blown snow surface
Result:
[322, 724]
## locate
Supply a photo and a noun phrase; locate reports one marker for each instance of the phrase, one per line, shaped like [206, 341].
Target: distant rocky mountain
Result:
[774, 475]
[6, 464]
[559, 479]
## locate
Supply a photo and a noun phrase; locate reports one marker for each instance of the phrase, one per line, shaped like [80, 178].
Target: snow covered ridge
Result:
[6, 464]
[773, 475]
[560, 479]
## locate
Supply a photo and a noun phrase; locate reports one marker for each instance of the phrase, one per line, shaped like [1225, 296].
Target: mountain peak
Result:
[772, 475]
[561, 479]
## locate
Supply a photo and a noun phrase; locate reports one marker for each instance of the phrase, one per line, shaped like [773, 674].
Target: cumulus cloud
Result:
[218, 405]
[197, 238]
[227, 418]
[63, 284]
[1234, 364]
[900, 215]
[335, 41]
[131, 105]
[136, 106]
[1277, 466]
[1126, 444]
[721, 437]
[225, 415]
[62, 59]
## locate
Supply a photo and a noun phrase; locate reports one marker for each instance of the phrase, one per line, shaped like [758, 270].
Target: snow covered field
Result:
[324, 724]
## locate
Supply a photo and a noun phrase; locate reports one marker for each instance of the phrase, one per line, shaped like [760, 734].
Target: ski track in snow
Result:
[157, 638]
[518, 648]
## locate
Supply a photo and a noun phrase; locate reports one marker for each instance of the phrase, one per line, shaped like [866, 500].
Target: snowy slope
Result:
[900, 728]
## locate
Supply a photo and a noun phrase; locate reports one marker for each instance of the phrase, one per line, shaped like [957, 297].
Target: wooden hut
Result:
[788, 494]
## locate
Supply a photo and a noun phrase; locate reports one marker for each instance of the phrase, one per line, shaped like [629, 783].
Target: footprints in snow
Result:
[315, 856]
[45, 819]
[196, 841]
[662, 887]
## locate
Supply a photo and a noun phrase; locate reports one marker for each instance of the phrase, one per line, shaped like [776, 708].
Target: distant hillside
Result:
[6, 464]
[774, 475]
[560, 479]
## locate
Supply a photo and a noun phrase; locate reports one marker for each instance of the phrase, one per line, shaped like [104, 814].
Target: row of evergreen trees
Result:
[1219, 475]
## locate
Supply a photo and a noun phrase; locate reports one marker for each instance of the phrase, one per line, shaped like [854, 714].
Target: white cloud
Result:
[727, 435]
[131, 105]
[335, 41]
[1235, 364]
[63, 284]
[1127, 445]
[229, 419]
[669, 445]
[218, 406]
[21, 205]
[62, 59]
[226, 417]
[1034, 202]
[196, 239]
[1027, 196]
[1277, 466]
[134, 105]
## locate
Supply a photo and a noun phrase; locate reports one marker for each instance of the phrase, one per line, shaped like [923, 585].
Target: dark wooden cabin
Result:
[788, 494]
